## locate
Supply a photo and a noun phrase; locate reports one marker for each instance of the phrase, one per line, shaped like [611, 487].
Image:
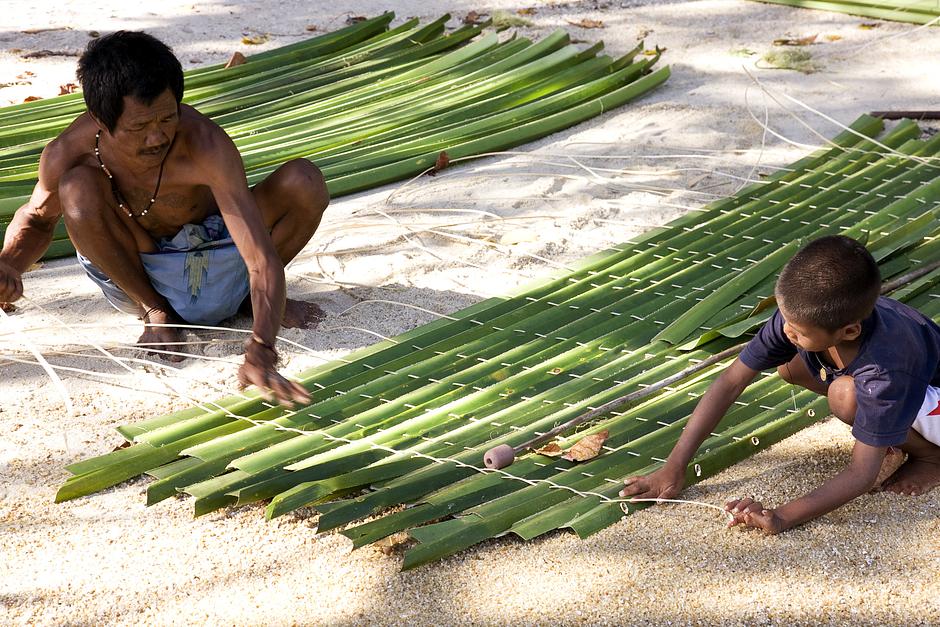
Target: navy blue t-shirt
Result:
[899, 356]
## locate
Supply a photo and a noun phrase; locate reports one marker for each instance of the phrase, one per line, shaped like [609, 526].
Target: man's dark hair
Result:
[126, 63]
[831, 282]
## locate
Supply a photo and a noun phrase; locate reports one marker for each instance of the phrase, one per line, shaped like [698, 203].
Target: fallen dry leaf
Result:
[41, 54]
[527, 11]
[124, 444]
[311, 28]
[8, 307]
[355, 19]
[800, 41]
[473, 18]
[255, 40]
[394, 543]
[16, 50]
[586, 23]
[36, 31]
[25, 74]
[833, 37]
[587, 447]
[31, 98]
[237, 58]
[550, 450]
[869, 25]
[68, 88]
[443, 160]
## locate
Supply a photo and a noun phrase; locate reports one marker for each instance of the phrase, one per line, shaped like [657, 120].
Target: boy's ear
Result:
[851, 331]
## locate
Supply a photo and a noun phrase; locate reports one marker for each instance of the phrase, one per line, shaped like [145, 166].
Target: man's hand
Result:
[11, 283]
[260, 369]
[665, 483]
[751, 513]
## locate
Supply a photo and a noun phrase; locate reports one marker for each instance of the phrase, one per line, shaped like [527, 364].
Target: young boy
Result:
[876, 360]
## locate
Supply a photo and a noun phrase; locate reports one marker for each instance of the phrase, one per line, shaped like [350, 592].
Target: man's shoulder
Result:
[69, 147]
[198, 128]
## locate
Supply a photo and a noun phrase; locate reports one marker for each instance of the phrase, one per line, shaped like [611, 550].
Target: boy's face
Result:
[811, 338]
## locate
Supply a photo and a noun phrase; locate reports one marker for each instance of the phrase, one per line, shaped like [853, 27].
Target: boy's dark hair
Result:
[831, 282]
[126, 63]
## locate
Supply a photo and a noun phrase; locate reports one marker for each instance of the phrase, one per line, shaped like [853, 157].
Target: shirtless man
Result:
[155, 200]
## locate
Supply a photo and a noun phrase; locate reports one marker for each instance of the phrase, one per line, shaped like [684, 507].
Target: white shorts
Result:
[927, 422]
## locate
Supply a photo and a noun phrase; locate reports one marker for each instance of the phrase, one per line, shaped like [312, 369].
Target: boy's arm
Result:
[857, 479]
[669, 480]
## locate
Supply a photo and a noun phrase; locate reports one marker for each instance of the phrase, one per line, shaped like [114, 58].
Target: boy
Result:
[876, 360]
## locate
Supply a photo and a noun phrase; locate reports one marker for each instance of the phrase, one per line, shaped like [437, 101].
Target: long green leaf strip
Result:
[407, 421]
[913, 11]
[369, 104]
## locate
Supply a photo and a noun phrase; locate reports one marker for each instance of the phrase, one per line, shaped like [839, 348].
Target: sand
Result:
[108, 559]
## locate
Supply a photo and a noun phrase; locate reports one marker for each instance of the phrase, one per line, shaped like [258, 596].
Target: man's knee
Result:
[841, 397]
[303, 180]
[80, 195]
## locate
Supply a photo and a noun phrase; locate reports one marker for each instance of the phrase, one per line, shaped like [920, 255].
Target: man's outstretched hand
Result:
[260, 370]
[11, 283]
[665, 483]
[751, 513]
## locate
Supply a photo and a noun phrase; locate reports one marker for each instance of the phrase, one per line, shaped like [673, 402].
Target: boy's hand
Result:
[751, 513]
[665, 483]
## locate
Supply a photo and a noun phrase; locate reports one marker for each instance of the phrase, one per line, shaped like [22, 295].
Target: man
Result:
[155, 199]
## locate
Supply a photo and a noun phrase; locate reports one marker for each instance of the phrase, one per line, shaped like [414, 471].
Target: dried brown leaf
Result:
[833, 37]
[124, 444]
[236, 59]
[798, 41]
[25, 74]
[473, 18]
[527, 11]
[255, 40]
[312, 28]
[355, 19]
[869, 25]
[586, 23]
[8, 307]
[31, 98]
[68, 88]
[550, 450]
[443, 160]
[36, 31]
[587, 447]
[41, 54]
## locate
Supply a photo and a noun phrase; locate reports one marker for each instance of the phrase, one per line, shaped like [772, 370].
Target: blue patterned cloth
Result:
[198, 270]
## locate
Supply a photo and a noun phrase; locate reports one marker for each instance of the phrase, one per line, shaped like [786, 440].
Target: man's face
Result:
[144, 131]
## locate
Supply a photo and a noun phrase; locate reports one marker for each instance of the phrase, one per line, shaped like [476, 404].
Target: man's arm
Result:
[226, 175]
[857, 479]
[30, 232]
[669, 480]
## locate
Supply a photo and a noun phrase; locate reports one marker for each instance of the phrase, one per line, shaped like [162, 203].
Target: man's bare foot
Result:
[156, 339]
[299, 314]
[893, 460]
[918, 475]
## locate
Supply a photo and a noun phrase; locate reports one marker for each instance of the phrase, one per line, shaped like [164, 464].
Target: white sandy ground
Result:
[107, 559]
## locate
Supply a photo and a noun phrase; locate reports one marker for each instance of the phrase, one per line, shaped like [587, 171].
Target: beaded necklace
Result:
[118, 196]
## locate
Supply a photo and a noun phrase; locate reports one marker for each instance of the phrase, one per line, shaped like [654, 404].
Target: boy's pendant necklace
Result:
[118, 196]
[822, 373]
